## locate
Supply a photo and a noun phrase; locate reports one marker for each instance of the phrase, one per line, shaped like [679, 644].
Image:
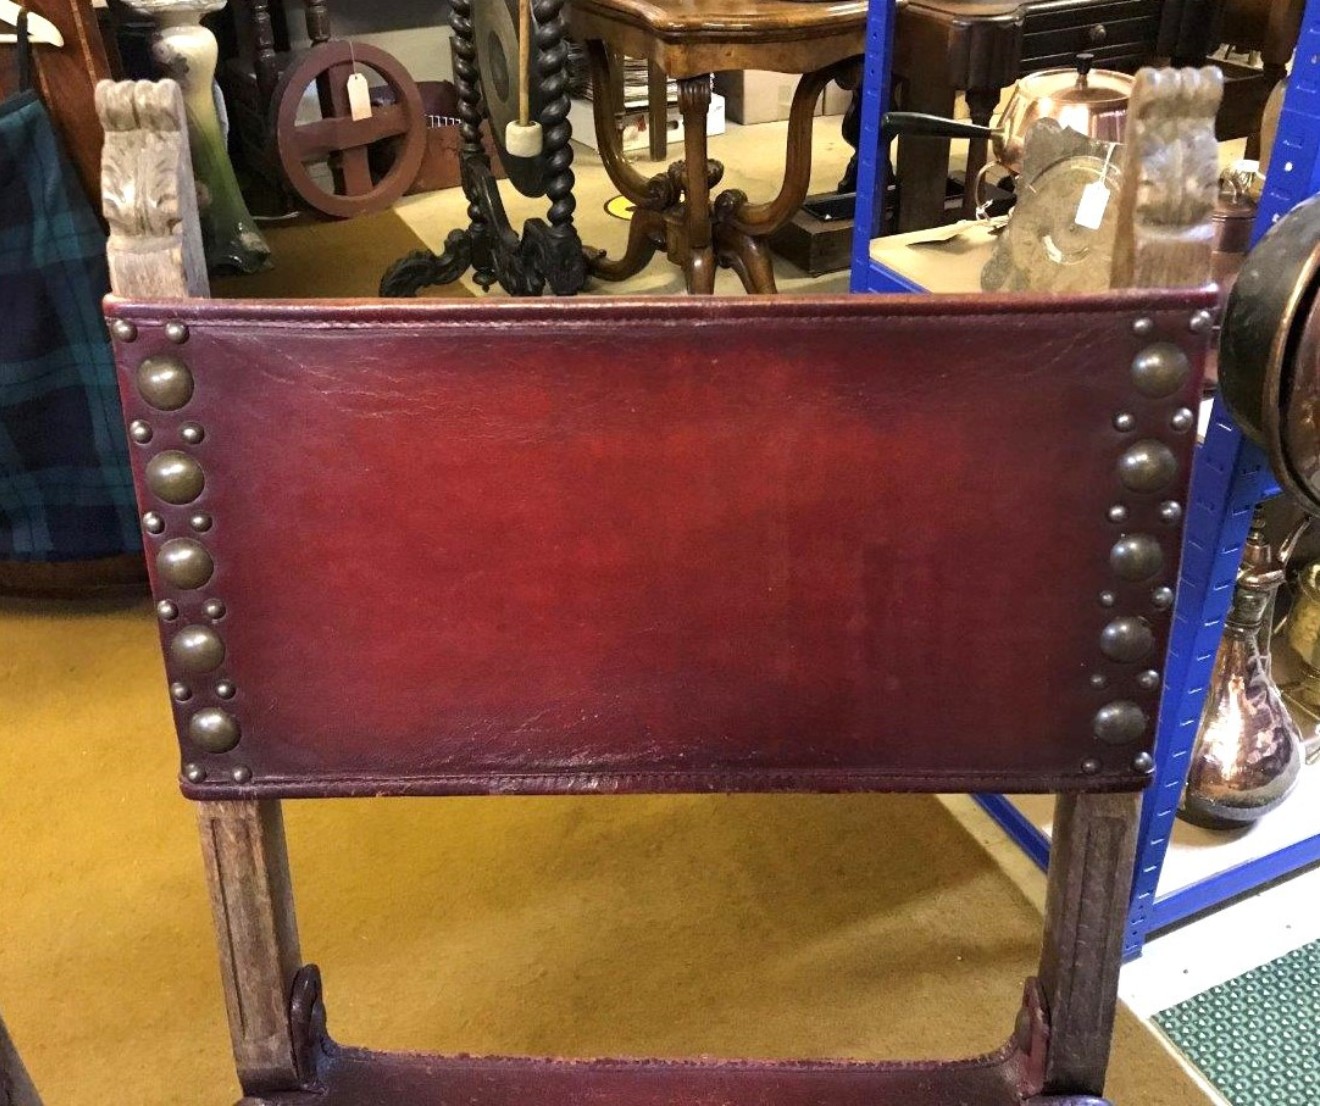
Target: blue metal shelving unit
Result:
[1230, 476]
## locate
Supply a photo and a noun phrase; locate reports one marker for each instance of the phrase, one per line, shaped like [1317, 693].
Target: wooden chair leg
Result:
[1086, 906]
[16, 1087]
[247, 872]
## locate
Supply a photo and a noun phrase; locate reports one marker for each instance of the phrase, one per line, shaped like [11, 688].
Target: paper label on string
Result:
[1091, 208]
[359, 97]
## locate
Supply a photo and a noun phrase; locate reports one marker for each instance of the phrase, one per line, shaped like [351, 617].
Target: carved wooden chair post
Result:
[675, 570]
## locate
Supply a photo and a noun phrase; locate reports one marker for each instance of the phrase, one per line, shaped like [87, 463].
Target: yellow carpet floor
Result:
[820, 926]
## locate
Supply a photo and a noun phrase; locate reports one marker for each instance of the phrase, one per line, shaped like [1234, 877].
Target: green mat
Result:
[1257, 1037]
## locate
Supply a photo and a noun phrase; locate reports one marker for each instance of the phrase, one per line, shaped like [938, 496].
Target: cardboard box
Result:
[634, 125]
[758, 96]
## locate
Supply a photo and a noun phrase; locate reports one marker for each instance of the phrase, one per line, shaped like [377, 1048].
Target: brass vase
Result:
[1248, 752]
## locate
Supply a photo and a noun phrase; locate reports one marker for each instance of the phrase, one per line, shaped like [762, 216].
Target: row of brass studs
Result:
[166, 384]
[1158, 371]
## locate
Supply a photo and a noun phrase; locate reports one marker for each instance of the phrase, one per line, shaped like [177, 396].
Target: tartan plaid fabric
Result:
[65, 488]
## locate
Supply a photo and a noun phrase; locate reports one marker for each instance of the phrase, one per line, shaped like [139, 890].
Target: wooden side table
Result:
[675, 210]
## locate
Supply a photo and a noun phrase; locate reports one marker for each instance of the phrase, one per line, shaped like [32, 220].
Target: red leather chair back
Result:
[875, 543]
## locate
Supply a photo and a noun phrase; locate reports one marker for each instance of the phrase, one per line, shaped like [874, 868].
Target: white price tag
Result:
[359, 97]
[1091, 208]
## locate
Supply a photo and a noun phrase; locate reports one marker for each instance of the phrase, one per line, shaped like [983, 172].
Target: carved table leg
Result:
[1095, 842]
[693, 103]
[747, 256]
[657, 110]
[923, 163]
[981, 103]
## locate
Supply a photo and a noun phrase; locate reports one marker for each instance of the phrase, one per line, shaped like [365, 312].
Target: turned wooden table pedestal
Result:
[675, 210]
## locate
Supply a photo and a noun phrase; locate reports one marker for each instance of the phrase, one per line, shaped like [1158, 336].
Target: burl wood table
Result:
[675, 210]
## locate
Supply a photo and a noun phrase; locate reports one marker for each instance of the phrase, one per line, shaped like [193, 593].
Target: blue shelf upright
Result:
[1230, 476]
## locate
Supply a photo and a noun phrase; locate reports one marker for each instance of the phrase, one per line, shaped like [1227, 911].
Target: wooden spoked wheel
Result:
[342, 142]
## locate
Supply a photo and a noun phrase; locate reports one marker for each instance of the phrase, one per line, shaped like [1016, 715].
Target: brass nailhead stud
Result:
[214, 730]
[1124, 421]
[1160, 370]
[164, 382]
[1127, 640]
[124, 330]
[192, 432]
[1117, 513]
[1182, 419]
[184, 563]
[1200, 322]
[197, 649]
[152, 523]
[225, 689]
[201, 522]
[1108, 599]
[1090, 766]
[1136, 557]
[167, 611]
[1143, 328]
[175, 477]
[241, 774]
[213, 608]
[1162, 598]
[1119, 722]
[176, 333]
[1170, 511]
[194, 773]
[180, 692]
[1147, 466]
[1144, 763]
[1149, 680]
[139, 431]
[1099, 680]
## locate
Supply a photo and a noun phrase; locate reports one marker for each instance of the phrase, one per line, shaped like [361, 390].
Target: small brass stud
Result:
[124, 330]
[180, 691]
[1117, 513]
[1162, 598]
[1143, 328]
[1170, 511]
[176, 332]
[1090, 766]
[1108, 599]
[214, 730]
[1127, 640]
[201, 521]
[1148, 680]
[1099, 680]
[1144, 763]
[139, 431]
[152, 523]
[241, 773]
[1119, 722]
[175, 477]
[1182, 419]
[1160, 370]
[1200, 322]
[184, 563]
[1136, 557]
[213, 609]
[164, 382]
[194, 773]
[192, 432]
[1147, 466]
[1124, 421]
[225, 689]
[197, 649]
[167, 611]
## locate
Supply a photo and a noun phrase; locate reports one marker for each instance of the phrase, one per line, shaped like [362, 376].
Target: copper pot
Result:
[1090, 101]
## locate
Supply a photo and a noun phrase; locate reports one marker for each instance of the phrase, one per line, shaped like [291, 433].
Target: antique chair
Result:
[660, 546]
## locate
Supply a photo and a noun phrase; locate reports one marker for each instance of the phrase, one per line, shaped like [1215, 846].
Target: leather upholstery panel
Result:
[603, 544]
